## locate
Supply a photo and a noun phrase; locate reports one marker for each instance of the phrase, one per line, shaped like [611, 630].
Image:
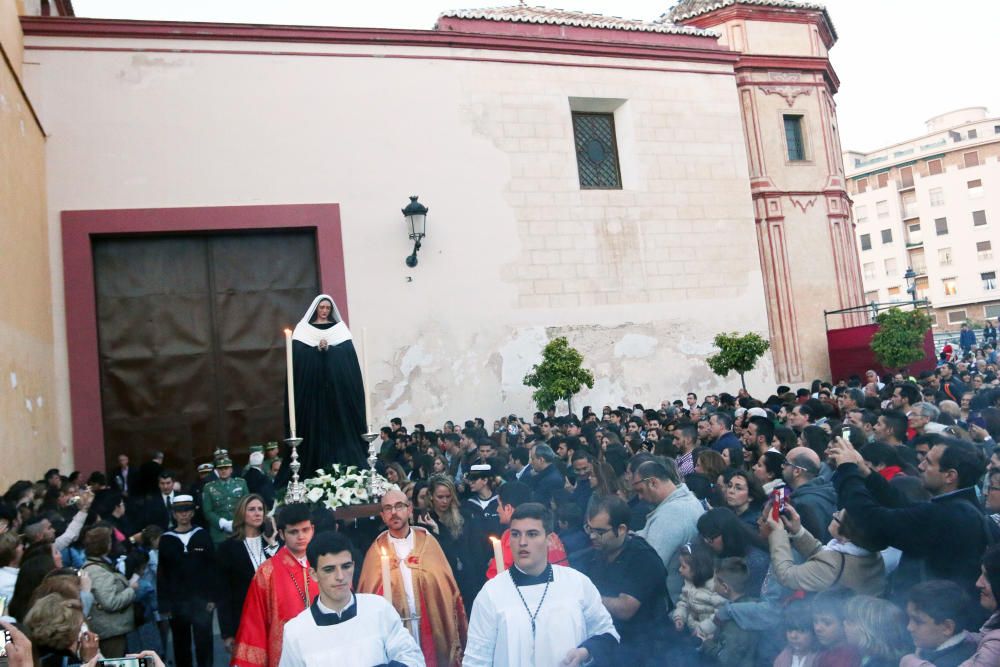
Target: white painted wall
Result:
[640, 279]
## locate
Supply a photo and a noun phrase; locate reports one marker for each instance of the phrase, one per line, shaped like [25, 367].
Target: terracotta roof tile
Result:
[554, 16]
[687, 9]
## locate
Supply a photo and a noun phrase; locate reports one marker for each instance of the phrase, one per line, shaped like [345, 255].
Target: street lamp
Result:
[416, 218]
[911, 283]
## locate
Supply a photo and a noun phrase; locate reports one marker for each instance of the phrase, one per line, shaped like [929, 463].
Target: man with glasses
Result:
[630, 577]
[422, 582]
[674, 519]
[814, 498]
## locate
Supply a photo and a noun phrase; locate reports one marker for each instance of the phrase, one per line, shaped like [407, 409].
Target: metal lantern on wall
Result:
[416, 219]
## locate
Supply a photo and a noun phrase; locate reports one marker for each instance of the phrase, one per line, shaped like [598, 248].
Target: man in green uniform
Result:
[220, 498]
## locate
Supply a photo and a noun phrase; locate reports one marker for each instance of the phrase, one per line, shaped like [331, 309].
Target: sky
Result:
[900, 62]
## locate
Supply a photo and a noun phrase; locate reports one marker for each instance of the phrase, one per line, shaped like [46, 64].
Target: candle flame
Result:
[382, 550]
[288, 332]
[494, 540]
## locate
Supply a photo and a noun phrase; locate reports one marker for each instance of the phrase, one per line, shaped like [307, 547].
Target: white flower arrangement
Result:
[346, 485]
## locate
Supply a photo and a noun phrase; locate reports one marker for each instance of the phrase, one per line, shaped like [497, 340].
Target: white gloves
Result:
[226, 525]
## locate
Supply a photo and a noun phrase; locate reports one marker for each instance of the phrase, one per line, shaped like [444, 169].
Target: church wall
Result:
[29, 441]
[639, 279]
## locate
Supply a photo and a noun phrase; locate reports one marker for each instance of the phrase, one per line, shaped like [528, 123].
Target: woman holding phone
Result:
[253, 541]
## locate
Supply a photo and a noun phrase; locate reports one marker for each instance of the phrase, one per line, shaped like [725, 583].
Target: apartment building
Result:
[932, 204]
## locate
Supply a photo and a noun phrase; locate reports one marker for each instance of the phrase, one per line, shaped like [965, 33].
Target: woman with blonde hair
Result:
[395, 474]
[447, 523]
[877, 629]
[253, 541]
[54, 625]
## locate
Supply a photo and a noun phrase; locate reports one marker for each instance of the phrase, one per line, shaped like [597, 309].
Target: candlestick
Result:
[296, 492]
[498, 554]
[386, 576]
[369, 417]
[291, 382]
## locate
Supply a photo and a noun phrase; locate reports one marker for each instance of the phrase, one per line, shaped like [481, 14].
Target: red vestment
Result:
[557, 553]
[280, 591]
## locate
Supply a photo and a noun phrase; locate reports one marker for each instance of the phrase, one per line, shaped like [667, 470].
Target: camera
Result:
[125, 662]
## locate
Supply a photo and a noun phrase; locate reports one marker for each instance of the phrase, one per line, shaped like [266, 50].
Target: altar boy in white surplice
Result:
[536, 614]
[342, 628]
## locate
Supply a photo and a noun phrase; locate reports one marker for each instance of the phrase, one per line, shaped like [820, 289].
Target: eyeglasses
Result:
[599, 532]
[398, 507]
[635, 484]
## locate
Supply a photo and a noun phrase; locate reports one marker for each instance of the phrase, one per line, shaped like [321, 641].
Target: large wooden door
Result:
[190, 340]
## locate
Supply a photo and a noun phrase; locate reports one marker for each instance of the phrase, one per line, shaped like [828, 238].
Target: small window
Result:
[957, 316]
[971, 159]
[893, 291]
[866, 241]
[862, 184]
[934, 167]
[937, 196]
[882, 209]
[989, 280]
[883, 179]
[596, 151]
[950, 286]
[794, 139]
[890, 267]
[861, 214]
[869, 268]
[944, 256]
[914, 228]
[941, 226]
[978, 218]
[992, 311]
[973, 134]
[996, 129]
[906, 177]
[886, 236]
[975, 188]
[871, 297]
[984, 250]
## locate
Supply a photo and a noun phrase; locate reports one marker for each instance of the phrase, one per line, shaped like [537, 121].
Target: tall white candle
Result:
[386, 577]
[369, 417]
[498, 554]
[291, 382]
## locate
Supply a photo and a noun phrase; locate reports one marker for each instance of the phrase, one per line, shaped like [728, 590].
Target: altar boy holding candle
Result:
[341, 628]
[420, 583]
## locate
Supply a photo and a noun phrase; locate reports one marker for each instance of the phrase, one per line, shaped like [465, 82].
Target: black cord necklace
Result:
[545, 592]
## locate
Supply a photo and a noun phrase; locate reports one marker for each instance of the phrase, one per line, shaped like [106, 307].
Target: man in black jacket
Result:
[546, 479]
[946, 536]
[185, 585]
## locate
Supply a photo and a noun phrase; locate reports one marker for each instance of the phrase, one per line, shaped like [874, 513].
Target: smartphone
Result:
[778, 499]
[3, 647]
[125, 662]
[845, 433]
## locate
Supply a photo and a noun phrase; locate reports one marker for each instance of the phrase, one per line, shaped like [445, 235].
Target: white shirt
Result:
[403, 547]
[500, 628]
[373, 635]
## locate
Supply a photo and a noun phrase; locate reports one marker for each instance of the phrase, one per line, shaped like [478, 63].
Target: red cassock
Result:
[280, 591]
[557, 553]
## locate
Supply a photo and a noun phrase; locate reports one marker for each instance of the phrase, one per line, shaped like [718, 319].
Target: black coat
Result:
[546, 484]
[261, 484]
[154, 512]
[186, 577]
[235, 574]
[946, 535]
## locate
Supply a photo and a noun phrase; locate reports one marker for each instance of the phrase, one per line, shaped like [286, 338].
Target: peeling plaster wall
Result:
[28, 438]
[639, 279]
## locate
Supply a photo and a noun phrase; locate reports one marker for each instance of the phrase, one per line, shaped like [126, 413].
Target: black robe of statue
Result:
[329, 408]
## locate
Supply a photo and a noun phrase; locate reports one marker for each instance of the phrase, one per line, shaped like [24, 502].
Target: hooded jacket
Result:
[816, 501]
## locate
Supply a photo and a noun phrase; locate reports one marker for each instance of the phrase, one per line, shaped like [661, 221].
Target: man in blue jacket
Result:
[966, 339]
[546, 479]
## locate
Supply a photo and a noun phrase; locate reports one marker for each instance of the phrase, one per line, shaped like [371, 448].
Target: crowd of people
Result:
[839, 525]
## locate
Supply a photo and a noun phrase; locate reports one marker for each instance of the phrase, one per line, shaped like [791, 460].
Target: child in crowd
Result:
[731, 646]
[800, 642]
[877, 628]
[937, 611]
[696, 608]
[828, 609]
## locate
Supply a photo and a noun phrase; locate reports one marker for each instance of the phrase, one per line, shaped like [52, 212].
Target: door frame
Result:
[80, 228]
